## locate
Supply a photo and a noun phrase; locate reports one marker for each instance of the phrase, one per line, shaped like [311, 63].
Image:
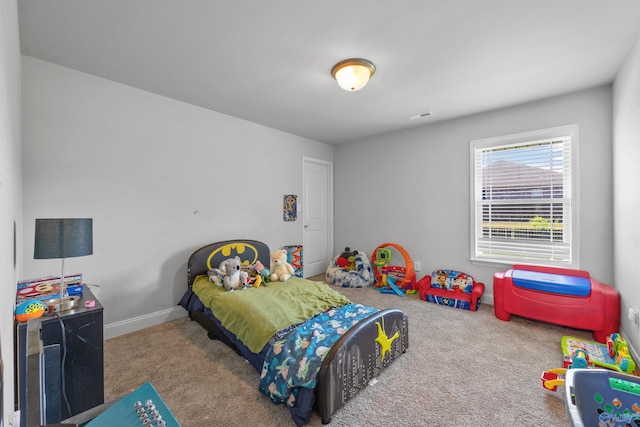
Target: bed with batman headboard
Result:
[313, 348]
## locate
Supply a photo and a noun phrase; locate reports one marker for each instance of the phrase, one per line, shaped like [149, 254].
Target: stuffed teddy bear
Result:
[281, 270]
[234, 278]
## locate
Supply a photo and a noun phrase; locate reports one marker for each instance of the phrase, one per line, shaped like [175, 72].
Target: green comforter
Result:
[255, 314]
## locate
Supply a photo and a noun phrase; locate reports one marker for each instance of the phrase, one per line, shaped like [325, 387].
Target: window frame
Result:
[570, 131]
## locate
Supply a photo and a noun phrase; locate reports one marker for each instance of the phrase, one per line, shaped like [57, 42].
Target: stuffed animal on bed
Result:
[281, 270]
[234, 278]
[215, 276]
[262, 274]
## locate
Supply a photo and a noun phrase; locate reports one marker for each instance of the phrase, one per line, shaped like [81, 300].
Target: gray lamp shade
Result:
[63, 238]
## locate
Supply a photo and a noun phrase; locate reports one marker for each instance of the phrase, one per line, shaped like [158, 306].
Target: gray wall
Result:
[10, 191]
[159, 177]
[626, 186]
[412, 187]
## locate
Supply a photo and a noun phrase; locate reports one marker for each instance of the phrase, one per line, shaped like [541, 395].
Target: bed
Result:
[344, 344]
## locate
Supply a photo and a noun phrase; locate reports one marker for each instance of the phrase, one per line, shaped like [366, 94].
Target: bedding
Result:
[255, 314]
[326, 346]
[294, 361]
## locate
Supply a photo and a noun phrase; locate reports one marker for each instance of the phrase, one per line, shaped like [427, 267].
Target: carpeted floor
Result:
[462, 368]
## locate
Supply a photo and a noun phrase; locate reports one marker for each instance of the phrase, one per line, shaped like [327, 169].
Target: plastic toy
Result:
[383, 257]
[579, 354]
[600, 397]
[29, 309]
[580, 359]
[561, 296]
[551, 379]
[390, 287]
[613, 355]
[405, 276]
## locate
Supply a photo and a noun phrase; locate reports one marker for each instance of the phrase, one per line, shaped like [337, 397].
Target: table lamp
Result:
[63, 238]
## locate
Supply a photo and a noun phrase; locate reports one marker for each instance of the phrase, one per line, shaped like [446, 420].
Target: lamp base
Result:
[54, 305]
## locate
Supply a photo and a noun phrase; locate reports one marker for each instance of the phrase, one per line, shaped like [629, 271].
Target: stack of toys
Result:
[44, 288]
[580, 354]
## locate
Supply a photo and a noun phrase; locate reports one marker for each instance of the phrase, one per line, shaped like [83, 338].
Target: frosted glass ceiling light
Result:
[353, 74]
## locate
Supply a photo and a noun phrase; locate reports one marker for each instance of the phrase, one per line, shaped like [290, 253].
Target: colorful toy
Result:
[390, 287]
[262, 274]
[29, 309]
[579, 359]
[551, 379]
[294, 257]
[452, 288]
[613, 355]
[600, 397]
[580, 354]
[557, 295]
[347, 259]
[381, 258]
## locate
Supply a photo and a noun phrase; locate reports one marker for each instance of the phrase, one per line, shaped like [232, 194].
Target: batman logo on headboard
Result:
[247, 253]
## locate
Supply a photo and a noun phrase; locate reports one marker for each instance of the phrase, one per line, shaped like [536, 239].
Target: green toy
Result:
[383, 257]
[613, 355]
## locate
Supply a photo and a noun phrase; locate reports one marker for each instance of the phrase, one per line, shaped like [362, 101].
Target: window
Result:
[524, 204]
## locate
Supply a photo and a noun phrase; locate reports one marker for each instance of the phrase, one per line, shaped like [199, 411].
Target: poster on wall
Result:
[290, 207]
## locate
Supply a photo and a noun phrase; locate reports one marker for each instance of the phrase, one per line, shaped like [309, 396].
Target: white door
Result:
[317, 214]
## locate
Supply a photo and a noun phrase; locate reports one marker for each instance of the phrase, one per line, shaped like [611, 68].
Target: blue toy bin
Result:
[603, 397]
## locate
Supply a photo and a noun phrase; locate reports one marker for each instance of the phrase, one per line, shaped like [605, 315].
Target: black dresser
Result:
[74, 342]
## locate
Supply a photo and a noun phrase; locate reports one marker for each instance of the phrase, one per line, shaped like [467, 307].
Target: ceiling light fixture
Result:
[353, 74]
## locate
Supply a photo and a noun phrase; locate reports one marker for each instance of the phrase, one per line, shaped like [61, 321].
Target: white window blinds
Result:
[523, 204]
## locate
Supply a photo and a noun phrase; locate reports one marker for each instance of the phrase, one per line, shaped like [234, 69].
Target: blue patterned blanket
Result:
[294, 360]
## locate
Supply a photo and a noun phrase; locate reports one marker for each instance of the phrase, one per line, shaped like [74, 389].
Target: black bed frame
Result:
[354, 359]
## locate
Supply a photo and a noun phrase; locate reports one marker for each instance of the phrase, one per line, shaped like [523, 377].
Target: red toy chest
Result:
[561, 296]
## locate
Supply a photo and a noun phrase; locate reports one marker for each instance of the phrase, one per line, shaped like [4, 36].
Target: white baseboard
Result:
[487, 299]
[122, 327]
[634, 353]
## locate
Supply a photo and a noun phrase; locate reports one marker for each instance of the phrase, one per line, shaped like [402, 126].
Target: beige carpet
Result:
[462, 368]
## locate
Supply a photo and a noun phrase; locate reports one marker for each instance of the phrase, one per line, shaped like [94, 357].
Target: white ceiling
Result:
[269, 61]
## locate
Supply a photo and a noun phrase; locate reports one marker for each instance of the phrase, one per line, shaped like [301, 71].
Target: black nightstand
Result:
[80, 366]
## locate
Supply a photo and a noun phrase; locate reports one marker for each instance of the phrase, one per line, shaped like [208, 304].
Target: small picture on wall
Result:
[290, 207]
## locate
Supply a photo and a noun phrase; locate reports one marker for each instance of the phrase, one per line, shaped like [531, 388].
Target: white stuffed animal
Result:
[234, 278]
[281, 270]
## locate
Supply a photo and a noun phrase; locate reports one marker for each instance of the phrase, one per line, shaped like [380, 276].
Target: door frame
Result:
[329, 183]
